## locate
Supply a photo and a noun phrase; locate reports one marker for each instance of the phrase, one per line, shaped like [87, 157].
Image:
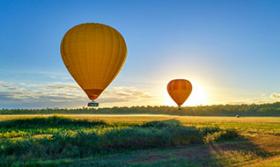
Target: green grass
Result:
[79, 140]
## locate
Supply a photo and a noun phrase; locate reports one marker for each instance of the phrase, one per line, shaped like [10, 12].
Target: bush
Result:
[222, 135]
[117, 137]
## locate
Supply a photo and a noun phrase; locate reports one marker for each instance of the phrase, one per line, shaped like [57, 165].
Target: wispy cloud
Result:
[69, 94]
[61, 95]
[124, 94]
[275, 95]
[53, 91]
[265, 98]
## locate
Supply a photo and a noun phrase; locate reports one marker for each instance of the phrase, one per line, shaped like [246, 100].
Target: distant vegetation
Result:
[213, 110]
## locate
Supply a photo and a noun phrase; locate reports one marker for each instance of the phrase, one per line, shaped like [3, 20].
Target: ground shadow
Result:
[49, 122]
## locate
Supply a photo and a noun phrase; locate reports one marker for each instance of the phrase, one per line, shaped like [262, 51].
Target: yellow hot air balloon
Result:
[179, 90]
[93, 54]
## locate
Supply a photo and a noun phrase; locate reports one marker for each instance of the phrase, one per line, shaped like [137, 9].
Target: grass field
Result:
[138, 140]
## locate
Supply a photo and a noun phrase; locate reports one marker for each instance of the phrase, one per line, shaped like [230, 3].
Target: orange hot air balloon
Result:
[93, 54]
[179, 90]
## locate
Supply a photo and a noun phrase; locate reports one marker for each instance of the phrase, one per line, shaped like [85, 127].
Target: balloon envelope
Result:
[179, 90]
[93, 54]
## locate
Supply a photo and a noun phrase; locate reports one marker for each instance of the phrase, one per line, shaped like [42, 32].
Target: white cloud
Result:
[124, 94]
[16, 95]
[275, 95]
[52, 91]
[271, 98]
[69, 94]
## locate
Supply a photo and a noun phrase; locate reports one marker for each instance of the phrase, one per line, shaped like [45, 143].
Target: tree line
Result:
[270, 109]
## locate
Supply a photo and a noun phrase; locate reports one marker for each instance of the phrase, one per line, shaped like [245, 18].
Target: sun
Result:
[197, 97]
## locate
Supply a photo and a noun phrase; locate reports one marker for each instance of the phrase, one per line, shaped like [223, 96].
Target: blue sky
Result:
[229, 49]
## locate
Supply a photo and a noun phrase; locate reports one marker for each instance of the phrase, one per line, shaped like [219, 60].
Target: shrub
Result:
[221, 135]
[79, 143]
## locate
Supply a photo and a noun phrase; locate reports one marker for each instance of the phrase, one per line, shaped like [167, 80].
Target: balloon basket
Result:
[93, 104]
